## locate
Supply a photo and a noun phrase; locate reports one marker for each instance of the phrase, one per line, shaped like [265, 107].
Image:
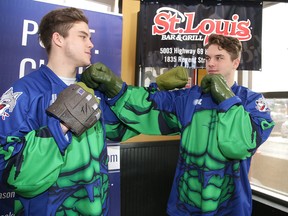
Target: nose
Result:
[209, 63]
[91, 45]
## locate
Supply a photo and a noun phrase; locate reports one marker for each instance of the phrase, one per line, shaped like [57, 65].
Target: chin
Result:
[85, 64]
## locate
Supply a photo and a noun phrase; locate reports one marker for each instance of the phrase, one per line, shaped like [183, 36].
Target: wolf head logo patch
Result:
[8, 102]
[262, 105]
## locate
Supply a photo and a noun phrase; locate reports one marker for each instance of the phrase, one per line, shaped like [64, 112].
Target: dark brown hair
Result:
[61, 21]
[232, 45]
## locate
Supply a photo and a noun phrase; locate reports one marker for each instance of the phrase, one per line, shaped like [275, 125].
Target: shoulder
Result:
[251, 98]
[27, 88]
[245, 93]
[36, 82]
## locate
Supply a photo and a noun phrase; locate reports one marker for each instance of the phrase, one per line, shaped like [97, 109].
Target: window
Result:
[268, 174]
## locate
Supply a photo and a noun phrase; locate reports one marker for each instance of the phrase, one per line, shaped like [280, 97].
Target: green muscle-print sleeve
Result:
[119, 132]
[135, 110]
[236, 137]
[36, 167]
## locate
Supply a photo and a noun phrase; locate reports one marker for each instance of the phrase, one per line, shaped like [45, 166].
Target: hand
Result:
[64, 128]
[217, 86]
[174, 78]
[77, 108]
[100, 77]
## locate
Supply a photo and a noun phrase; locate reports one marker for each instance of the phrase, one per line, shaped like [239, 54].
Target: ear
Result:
[57, 39]
[236, 63]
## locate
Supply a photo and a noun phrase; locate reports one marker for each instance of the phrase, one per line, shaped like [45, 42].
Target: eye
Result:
[84, 37]
[6, 100]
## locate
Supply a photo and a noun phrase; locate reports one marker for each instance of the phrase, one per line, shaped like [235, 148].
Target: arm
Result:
[30, 160]
[115, 129]
[147, 110]
[31, 155]
[242, 127]
[136, 111]
[118, 128]
[36, 166]
[99, 76]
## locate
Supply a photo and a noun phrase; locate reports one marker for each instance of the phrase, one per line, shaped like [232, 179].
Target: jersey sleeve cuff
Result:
[112, 101]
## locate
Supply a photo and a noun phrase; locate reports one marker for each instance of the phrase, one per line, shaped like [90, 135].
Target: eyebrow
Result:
[83, 32]
[219, 55]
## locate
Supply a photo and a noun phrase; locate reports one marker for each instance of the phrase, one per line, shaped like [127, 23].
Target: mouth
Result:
[2, 106]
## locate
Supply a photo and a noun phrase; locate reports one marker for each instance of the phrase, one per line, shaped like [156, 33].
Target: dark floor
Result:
[260, 209]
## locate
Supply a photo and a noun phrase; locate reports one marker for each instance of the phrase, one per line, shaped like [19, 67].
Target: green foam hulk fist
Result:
[84, 86]
[99, 76]
[174, 78]
[217, 86]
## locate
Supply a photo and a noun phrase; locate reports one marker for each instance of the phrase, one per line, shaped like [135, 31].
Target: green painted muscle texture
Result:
[55, 171]
[218, 139]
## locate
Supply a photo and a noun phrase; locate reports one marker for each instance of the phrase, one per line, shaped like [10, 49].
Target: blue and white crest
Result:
[8, 102]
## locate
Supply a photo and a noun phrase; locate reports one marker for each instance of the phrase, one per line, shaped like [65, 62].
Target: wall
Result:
[274, 50]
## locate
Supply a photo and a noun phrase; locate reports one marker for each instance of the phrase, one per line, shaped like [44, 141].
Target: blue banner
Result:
[21, 53]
